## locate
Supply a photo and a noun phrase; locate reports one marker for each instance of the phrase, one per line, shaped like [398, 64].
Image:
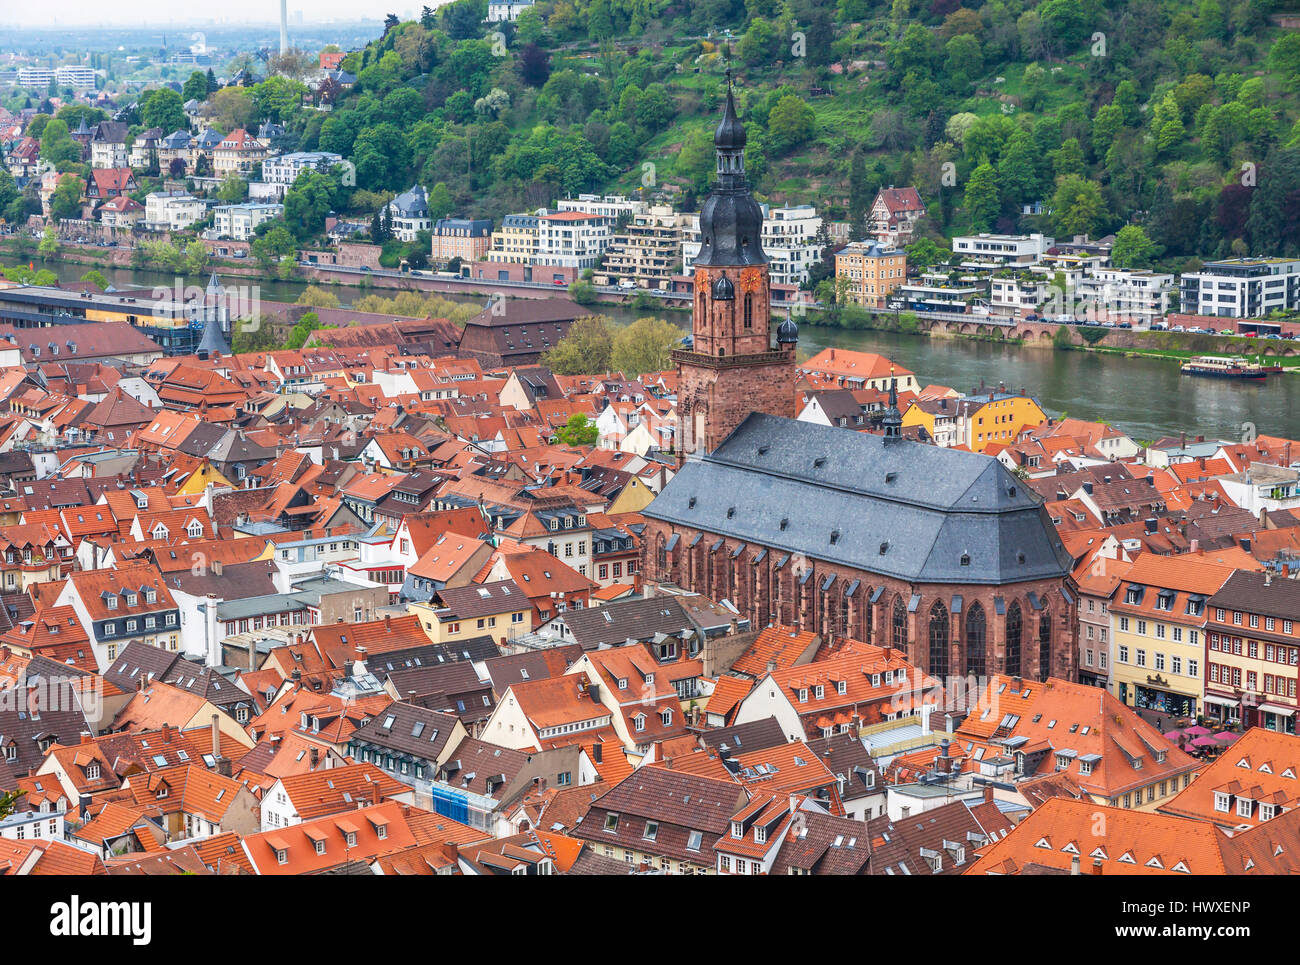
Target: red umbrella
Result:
[1205, 742]
[1196, 730]
[1226, 737]
[1173, 735]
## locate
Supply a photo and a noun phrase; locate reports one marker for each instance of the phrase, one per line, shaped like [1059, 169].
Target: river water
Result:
[1145, 397]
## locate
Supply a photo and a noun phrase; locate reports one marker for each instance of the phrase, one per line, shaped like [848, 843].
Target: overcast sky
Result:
[141, 13]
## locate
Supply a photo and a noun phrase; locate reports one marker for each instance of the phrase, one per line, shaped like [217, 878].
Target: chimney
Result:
[1074, 865]
[216, 736]
[988, 793]
[388, 623]
[1096, 866]
[1017, 684]
[167, 733]
[315, 757]
[86, 739]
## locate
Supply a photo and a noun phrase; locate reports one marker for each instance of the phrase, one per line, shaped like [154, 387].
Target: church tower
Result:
[737, 364]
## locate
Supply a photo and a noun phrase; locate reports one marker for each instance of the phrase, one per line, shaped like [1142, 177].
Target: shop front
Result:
[1222, 710]
[1275, 717]
[1157, 696]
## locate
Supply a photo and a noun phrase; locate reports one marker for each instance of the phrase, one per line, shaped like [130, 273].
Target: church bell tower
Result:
[737, 364]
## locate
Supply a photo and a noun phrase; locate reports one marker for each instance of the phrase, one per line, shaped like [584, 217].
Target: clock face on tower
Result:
[736, 364]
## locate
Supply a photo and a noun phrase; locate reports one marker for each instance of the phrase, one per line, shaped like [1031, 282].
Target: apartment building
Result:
[934, 293]
[1125, 295]
[286, 168]
[1241, 287]
[465, 238]
[558, 239]
[572, 239]
[516, 241]
[873, 271]
[236, 153]
[1018, 292]
[1159, 613]
[1253, 651]
[647, 252]
[611, 206]
[172, 211]
[240, 221]
[994, 251]
[80, 78]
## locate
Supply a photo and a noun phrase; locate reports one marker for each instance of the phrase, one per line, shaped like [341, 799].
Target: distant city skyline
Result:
[142, 13]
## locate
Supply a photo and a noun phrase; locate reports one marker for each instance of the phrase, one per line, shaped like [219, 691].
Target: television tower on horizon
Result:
[284, 27]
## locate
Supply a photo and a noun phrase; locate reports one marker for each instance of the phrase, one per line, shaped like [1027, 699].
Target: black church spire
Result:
[731, 221]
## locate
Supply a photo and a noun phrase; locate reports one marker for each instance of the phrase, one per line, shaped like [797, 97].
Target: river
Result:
[1145, 397]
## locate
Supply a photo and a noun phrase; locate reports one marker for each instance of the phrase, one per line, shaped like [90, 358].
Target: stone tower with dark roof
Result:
[737, 364]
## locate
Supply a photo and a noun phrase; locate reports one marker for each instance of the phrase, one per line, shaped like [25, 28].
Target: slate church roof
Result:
[893, 507]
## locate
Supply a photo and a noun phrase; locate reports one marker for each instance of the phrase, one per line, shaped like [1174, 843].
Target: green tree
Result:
[66, 201]
[981, 197]
[1132, 248]
[790, 124]
[963, 62]
[196, 257]
[314, 296]
[586, 350]
[578, 432]
[301, 332]
[440, 201]
[233, 190]
[582, 292]
[1167, 125]
[644, 346]
[49, 246]
[95, 277]
[924, 254]
[163, 108]
[1284, 57]
[196, 87]
[273, 246]
[1077, 206]
[57, 145]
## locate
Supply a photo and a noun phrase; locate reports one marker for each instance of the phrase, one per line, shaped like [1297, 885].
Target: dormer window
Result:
[760, 834]
[282, 855]
[92, 769]
[737, 829]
